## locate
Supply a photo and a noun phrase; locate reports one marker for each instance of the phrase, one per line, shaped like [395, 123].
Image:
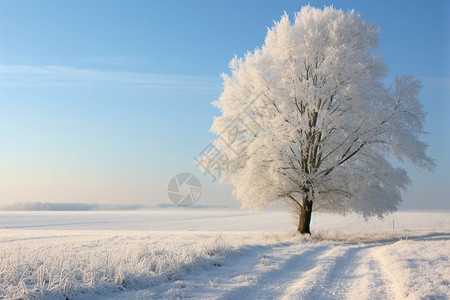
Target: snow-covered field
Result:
[222, 255]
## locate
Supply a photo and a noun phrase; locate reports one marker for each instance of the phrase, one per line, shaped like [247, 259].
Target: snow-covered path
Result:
[293, 271]
[114, 257]
[311, 270]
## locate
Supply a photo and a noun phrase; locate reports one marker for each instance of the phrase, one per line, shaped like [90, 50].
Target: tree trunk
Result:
[305, 216]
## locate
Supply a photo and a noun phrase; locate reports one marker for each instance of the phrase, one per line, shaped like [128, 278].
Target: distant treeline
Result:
[61, 206]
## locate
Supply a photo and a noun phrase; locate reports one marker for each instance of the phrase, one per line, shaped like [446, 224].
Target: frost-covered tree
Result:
[307, 120]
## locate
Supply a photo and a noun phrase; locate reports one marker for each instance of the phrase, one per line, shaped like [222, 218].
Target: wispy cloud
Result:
[30, 75]
[113, 60]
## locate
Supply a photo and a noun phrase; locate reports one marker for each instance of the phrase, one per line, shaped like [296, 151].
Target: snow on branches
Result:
[306, 119]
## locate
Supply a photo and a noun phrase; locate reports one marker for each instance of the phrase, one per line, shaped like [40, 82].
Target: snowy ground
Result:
[222, 255]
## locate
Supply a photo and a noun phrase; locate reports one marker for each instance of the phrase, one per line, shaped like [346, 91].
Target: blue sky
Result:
[105, 101]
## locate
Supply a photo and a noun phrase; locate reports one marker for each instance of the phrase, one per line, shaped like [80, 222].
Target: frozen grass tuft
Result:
[101, 263]
[84, 261]
[80, 270]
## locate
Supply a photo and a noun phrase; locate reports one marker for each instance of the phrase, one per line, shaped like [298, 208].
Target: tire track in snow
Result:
[315, 284]
[302, 271]
[289, 262]
[348, 272]
[370, 281]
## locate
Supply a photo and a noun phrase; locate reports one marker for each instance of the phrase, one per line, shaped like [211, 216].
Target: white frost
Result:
[113, 255]
[307, 116]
